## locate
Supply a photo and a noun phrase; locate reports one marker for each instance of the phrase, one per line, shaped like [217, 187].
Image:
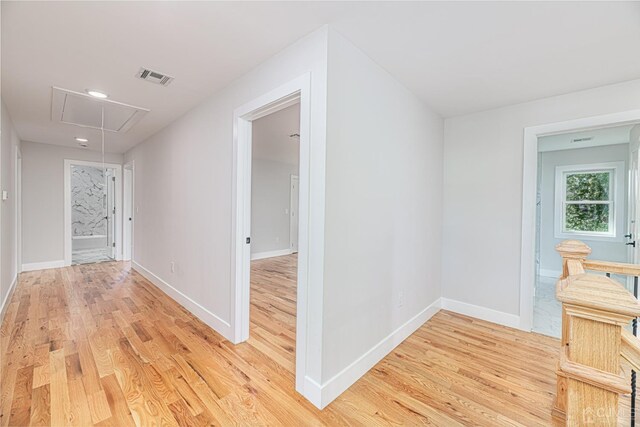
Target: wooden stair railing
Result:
[595, 310]
[630, 349]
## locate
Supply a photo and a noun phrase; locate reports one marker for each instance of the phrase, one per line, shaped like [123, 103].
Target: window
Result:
[589, 200]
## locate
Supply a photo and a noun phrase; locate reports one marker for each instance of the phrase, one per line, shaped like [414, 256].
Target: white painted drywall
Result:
[275, 157]
[383, 208]
[43, 198]
[609, 251]
[483, 191]
[183, 187]
[270, 201]
[8, 208]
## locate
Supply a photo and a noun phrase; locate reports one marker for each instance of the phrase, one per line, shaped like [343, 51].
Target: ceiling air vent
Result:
[584, 139]
[154, 77]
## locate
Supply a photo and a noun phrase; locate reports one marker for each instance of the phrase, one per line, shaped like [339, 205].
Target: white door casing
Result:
[633, 229]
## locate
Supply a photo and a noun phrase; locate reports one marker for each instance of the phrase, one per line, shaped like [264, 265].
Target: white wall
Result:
[183, 189]
[550, 260]
[483, 192]
[270, 202]
[10, 146]
[383, 214]
[384, 193]
[43, 198]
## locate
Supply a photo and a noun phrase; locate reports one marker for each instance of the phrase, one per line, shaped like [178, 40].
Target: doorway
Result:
[92, 212]
[310, 226]
[275, 156]
[583, 191]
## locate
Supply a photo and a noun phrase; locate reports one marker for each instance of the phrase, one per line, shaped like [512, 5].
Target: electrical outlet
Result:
[400, 298]
[173, 267]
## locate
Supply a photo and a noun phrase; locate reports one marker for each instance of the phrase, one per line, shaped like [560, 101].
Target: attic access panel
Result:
[80, 109]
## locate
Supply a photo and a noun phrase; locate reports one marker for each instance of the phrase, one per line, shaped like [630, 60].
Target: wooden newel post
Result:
[572, 250]
[597, 308]
[573, 253]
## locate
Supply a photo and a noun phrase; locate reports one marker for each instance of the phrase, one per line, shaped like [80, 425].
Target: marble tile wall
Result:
[87, 201]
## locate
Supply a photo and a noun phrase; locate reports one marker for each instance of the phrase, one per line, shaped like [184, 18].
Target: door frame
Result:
[633, 209]
[18, 191]
[529, 196]
[128, 192]
[293, 223]
[67, 206]
[311, 220]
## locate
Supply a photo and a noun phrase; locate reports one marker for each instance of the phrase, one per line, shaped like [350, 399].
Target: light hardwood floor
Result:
[99, 345]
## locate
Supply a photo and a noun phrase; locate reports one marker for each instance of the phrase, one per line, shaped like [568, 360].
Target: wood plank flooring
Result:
[99, 345]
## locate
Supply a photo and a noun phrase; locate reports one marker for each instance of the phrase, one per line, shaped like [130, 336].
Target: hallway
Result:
[98, 344]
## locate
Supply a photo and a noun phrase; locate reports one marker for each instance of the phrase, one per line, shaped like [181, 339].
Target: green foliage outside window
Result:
[591, 217]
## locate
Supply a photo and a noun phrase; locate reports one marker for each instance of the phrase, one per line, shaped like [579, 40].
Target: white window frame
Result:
[616, 201]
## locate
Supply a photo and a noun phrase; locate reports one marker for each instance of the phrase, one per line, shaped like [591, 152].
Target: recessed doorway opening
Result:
[274, 205]
[580, 183]
[299, 270]
[92, 212]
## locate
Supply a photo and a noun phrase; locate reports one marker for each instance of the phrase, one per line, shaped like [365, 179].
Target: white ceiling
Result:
[271, 136]
[458, 57]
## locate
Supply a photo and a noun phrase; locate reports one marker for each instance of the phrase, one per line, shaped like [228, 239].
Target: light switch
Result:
[5, 195]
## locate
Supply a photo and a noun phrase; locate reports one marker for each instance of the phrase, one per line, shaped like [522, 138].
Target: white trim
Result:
[18, 211]
[554, 274]
[616, 198]
[33, 266]
[311, 219]
[322, 395]
[7, 298]
[67, 206]
[270, 254]
[482, 313]
[128, 200]
[529, 194]
[215, 322]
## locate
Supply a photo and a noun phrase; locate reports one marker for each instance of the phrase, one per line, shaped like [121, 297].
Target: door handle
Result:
[628, 236]
[633, 244]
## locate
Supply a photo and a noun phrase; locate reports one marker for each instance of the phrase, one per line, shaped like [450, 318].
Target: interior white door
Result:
[293, 214]
[127, 240]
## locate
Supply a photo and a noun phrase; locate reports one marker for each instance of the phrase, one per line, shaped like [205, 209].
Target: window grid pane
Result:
[588, 186]
[587, 217]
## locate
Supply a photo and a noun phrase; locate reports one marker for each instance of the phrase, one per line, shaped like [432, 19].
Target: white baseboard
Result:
[219, 325]
[482, 313]
[33, 266]
[270, 254]
[322, 395]
[550, 273]
[7, 298]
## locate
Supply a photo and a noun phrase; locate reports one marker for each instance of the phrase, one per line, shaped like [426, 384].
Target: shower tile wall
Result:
[87, 201]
